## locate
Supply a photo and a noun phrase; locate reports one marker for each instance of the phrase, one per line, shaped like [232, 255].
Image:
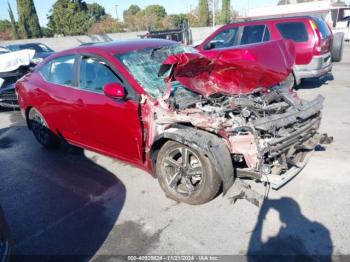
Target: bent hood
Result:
[13, 60]
[232, 71]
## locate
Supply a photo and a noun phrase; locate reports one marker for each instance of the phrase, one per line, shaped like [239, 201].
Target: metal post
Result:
[116, 11]
[213, 13]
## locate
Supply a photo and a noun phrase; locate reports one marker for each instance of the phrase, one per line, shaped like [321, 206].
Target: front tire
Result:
[41, 131]
[186, 175]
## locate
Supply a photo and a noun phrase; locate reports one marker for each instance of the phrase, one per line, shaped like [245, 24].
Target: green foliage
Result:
[154, 15]
[130, 18]
[106, 26]
[175, 21]
[132, 10]
[5, 30]
[96, 11]
[47, 32]
[225, 16]
[70, 17]
[157, 11]
[28, 19]
[203, 10]
[4, 25]
[13, 23]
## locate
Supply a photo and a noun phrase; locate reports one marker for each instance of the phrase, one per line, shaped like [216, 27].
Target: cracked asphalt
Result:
[75, 202]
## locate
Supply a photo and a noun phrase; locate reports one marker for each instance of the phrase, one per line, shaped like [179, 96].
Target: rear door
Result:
[105, 124]
[57, 100]
[301, 35]
[252, 34]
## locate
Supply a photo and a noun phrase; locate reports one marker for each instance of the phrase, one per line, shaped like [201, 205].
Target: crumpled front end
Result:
[268, 130]
[269, 134]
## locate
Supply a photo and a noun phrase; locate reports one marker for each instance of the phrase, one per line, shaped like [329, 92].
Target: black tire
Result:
[194, 181]
[338, 47]
[40, 130]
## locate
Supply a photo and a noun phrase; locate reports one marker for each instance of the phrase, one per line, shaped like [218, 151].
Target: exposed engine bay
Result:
[269, 132]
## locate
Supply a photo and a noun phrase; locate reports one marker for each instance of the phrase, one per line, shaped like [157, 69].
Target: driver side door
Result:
[105, 124]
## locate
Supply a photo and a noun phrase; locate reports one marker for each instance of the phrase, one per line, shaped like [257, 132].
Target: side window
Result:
[266, 36]
[94, 74]
[45, 71]
[295, 31]
[322, 27]
[59, 70]
[255, 34]
[226, 38]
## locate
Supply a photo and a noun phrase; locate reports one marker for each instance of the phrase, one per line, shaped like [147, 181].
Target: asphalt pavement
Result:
[76, 202]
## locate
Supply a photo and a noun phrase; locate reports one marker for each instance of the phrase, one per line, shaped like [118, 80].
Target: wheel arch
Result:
[206, 143]
[27, 110]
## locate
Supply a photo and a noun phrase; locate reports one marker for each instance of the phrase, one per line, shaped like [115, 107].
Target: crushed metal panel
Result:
[232, 71]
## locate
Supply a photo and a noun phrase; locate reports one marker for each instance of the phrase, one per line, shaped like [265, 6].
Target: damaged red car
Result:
[194, 122]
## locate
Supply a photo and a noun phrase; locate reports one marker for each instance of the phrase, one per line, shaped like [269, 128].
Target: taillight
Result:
[318, 40]
[313, 25]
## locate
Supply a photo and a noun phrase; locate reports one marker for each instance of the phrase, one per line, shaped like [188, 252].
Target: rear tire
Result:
[41, 131]
[186, 175]
[338, 47]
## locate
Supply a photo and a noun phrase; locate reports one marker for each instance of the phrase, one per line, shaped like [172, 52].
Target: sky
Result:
[171, 6]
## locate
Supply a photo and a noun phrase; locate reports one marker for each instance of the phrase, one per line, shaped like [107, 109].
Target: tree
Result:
[28, 19]
[130, 17]
[203, 19]
[5, 30]
[154, 15]
[96, 11]
[174, 21]
[132, 10]
[13, 23]
[70, 17]
[106, 26]
[225, 16]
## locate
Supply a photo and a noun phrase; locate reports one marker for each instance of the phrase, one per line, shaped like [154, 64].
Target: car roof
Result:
[267, 19]
[122, 46]
[24, 44]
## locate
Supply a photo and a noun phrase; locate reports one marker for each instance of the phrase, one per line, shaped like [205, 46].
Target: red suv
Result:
[311, 36]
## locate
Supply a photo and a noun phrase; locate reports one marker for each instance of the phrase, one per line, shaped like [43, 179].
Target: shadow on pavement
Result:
[57, 202]
[298, 239]
[315, 82]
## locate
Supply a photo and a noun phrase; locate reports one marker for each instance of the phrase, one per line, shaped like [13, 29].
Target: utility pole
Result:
[116, 11]
[214, 18]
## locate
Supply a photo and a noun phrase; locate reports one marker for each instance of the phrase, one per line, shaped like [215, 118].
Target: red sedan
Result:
[191, 121]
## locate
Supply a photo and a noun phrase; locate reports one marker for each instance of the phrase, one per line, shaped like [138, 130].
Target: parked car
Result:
[5, 238]
[181, 34]
[41, 50]
[13, 65]
[3, 50]
[311, 36]
[191, 121]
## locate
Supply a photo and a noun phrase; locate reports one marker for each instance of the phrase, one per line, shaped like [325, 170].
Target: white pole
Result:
[116, 12]
[214, 13]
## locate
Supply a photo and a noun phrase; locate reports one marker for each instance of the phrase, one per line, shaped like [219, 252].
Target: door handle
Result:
[80, 103]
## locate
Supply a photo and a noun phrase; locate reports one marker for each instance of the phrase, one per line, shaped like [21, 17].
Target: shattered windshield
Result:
[144, 65]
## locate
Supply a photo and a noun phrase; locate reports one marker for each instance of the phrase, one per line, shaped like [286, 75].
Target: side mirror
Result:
[114, 90]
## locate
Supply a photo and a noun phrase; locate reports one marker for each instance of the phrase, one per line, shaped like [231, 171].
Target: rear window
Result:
[255, 34]
[295, 31]
[322, 27]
